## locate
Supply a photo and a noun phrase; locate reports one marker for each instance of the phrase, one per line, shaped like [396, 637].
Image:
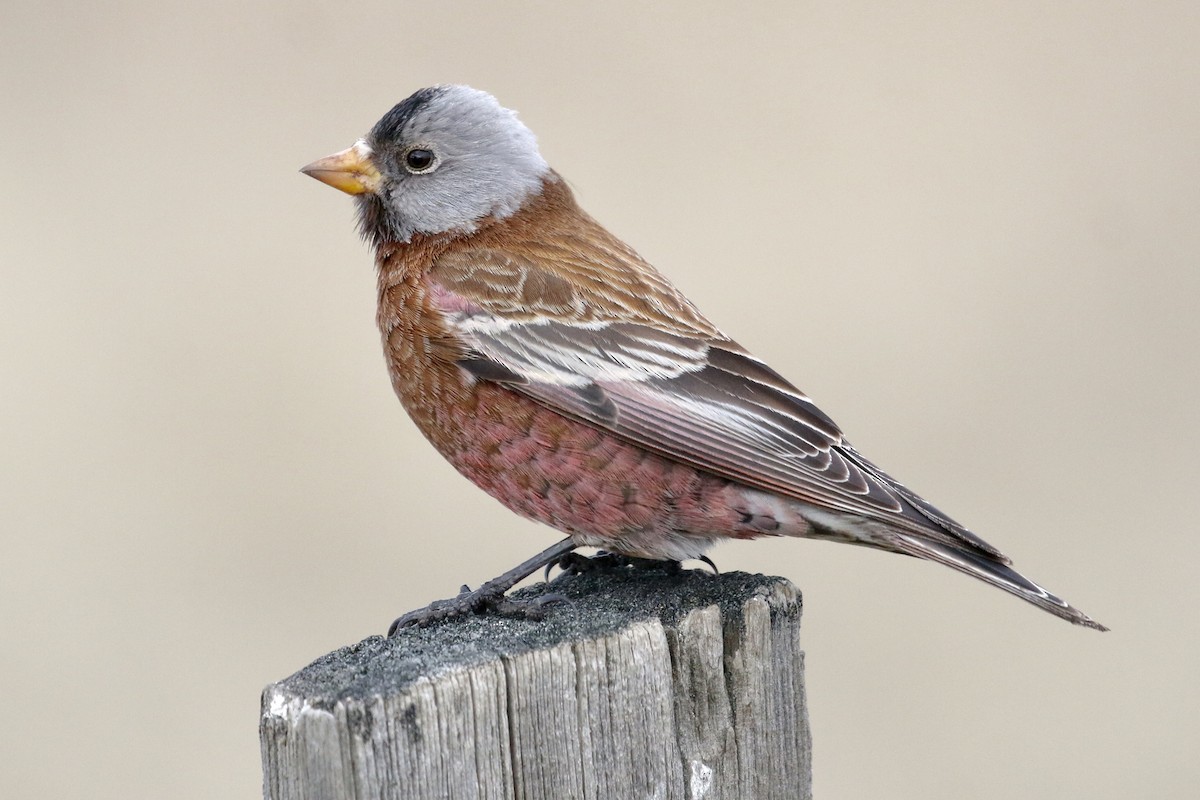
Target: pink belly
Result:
[593, 486]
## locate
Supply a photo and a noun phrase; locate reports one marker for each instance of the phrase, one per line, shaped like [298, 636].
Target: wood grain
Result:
[644, 685]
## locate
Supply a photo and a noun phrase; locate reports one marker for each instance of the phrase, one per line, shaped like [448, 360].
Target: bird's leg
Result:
[490, 596]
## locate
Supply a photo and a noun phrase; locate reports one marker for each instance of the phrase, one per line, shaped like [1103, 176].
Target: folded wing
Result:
[669, 382]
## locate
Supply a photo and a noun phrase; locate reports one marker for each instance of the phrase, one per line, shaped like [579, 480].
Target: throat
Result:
[376, 223]
[403, 219]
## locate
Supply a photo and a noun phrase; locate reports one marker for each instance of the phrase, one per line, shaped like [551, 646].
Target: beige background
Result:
[969, 230]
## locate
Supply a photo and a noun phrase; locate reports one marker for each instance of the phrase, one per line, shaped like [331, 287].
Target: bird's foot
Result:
[492, 596]
[577, 564]
[486, 599]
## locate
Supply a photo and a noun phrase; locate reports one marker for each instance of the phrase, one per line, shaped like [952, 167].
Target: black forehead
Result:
[388, 128]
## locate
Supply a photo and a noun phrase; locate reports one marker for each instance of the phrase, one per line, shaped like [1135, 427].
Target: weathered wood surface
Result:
[645, 685]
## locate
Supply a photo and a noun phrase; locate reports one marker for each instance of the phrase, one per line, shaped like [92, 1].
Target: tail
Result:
[946, 543]
[986, 568]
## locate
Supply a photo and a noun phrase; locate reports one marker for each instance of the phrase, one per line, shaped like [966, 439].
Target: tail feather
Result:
[982, 566]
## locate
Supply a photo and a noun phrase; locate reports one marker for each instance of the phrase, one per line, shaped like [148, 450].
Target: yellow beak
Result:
[350, 170]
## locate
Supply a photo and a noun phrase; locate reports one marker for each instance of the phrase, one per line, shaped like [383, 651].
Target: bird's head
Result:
[441, 161]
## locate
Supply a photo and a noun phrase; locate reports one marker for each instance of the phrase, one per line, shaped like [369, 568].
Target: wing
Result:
[629, 354]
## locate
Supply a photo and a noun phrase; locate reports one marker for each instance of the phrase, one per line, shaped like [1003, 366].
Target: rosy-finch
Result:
[567, 378]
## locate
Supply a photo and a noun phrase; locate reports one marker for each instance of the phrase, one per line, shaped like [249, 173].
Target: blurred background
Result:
[970, 231]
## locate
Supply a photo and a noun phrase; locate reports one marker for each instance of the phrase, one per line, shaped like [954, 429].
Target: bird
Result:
[560, 372]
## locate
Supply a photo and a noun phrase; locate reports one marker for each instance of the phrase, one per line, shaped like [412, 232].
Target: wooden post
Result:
[644, 685]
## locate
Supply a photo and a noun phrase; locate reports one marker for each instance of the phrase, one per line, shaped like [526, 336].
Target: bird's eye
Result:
[420, 160]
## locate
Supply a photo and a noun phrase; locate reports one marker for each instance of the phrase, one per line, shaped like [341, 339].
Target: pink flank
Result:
[597, 488]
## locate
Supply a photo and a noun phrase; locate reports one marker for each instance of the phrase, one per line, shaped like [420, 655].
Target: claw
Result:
[491, 595]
